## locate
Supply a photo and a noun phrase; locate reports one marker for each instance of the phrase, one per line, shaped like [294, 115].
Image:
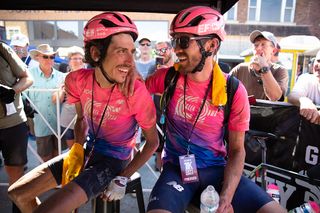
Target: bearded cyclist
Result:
[194, 155]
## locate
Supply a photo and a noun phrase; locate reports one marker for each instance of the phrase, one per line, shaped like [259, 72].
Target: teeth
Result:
[123, 70]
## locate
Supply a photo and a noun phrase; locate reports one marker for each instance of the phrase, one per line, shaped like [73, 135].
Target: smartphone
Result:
[159, 61]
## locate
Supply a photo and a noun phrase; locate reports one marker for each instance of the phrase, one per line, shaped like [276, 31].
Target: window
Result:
[231, 15]
[271, 10]
[154, 30]
[67, 29]
[44, 29]
[11, 31]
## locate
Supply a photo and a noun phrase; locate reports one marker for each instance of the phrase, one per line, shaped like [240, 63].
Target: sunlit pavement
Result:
[127, 205]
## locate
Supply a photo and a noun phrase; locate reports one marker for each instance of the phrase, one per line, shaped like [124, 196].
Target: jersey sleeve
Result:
[240, 110]
[155, 82]
[75, 83]
[142, 106]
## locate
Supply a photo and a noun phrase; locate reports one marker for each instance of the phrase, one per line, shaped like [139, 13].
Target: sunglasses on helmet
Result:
[184, 41]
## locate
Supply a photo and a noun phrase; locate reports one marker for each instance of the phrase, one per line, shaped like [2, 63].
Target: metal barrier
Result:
[60, 134]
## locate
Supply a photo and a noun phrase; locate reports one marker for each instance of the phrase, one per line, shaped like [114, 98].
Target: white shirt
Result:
[308, 85]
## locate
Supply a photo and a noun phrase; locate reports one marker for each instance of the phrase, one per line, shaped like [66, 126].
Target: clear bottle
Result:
[209, 200]
[273, 191]
[310, 207]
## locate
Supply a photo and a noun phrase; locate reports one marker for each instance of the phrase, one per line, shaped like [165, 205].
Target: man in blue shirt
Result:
[45, 77]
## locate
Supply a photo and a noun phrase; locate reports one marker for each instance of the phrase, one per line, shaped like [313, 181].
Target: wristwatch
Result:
[264, 70]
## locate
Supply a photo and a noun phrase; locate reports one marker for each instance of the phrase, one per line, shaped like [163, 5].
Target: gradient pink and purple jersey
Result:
[116, 137]
[207, 137]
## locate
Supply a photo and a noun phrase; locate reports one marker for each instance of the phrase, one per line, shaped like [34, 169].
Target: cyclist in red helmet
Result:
[194, 154]
[106, 120]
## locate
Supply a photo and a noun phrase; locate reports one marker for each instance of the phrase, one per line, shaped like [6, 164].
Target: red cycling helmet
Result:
[198, 20]
[107, 24]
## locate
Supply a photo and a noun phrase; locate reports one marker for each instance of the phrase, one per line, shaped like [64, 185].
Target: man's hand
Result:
[224, 205]
[72, 163]
[259, 61]
[309, 110]
[7, 95]
[128, 85]
[116, 189]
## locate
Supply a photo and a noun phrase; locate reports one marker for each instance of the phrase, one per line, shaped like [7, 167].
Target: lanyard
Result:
[199, 112]
[95, 134]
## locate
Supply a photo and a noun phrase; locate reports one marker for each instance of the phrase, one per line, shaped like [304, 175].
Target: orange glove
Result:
[72, 163]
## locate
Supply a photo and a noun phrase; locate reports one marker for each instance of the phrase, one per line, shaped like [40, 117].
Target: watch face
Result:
[264, 69]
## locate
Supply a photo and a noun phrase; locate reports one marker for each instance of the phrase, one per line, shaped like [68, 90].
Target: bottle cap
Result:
[315, 207]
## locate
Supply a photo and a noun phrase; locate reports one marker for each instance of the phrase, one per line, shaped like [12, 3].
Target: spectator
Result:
[14, 78]
[275, 56]
[20, 44]
[111, 117]
[299, 71]
[261, 77]
[68, 112]
[45, 77]
[194, 124]
[163, 50]
[145, 62]
[306, 93]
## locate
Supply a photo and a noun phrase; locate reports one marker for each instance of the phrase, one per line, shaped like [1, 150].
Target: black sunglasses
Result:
[161, 51]
[146, 44]
[46, 56]
[183, 41]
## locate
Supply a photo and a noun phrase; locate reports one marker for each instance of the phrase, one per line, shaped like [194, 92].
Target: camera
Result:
[159, 61]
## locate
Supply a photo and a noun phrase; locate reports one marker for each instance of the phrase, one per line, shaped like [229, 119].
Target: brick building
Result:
[282, 17]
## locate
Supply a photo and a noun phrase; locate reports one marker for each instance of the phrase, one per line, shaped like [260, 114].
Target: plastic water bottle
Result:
[209, 200]
[273, 191]
[310, 207]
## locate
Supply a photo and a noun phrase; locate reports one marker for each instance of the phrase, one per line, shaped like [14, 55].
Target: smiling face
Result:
[119, 58]
[190, 57]
[164, 51]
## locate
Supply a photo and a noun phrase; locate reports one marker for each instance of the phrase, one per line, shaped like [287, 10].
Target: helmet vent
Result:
[184, 16]
[196, 21]
[129, 20]
[107, 23]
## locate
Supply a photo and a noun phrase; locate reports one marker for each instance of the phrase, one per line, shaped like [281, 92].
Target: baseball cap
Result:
[19, 39]
[144, 39]
[267, 35]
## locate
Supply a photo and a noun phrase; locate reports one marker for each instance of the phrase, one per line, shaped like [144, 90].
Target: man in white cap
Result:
[261, 77]
[306, 93]
[20, 44]
[45, 77]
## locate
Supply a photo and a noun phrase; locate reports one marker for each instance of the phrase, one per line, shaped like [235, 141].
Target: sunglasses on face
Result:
[47, 57]
[184, 41]
[161, 51]
[145, 44]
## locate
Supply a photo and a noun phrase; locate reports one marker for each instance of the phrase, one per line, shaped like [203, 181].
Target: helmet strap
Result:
[106, 76]
[204, 55]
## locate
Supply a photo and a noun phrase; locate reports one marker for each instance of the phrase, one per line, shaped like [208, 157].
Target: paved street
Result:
[127, 205]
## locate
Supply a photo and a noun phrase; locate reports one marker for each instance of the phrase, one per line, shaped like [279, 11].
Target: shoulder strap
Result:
[170, 82]
[232, 86]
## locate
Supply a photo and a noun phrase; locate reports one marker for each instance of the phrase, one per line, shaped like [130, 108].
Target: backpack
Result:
[170, 82]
